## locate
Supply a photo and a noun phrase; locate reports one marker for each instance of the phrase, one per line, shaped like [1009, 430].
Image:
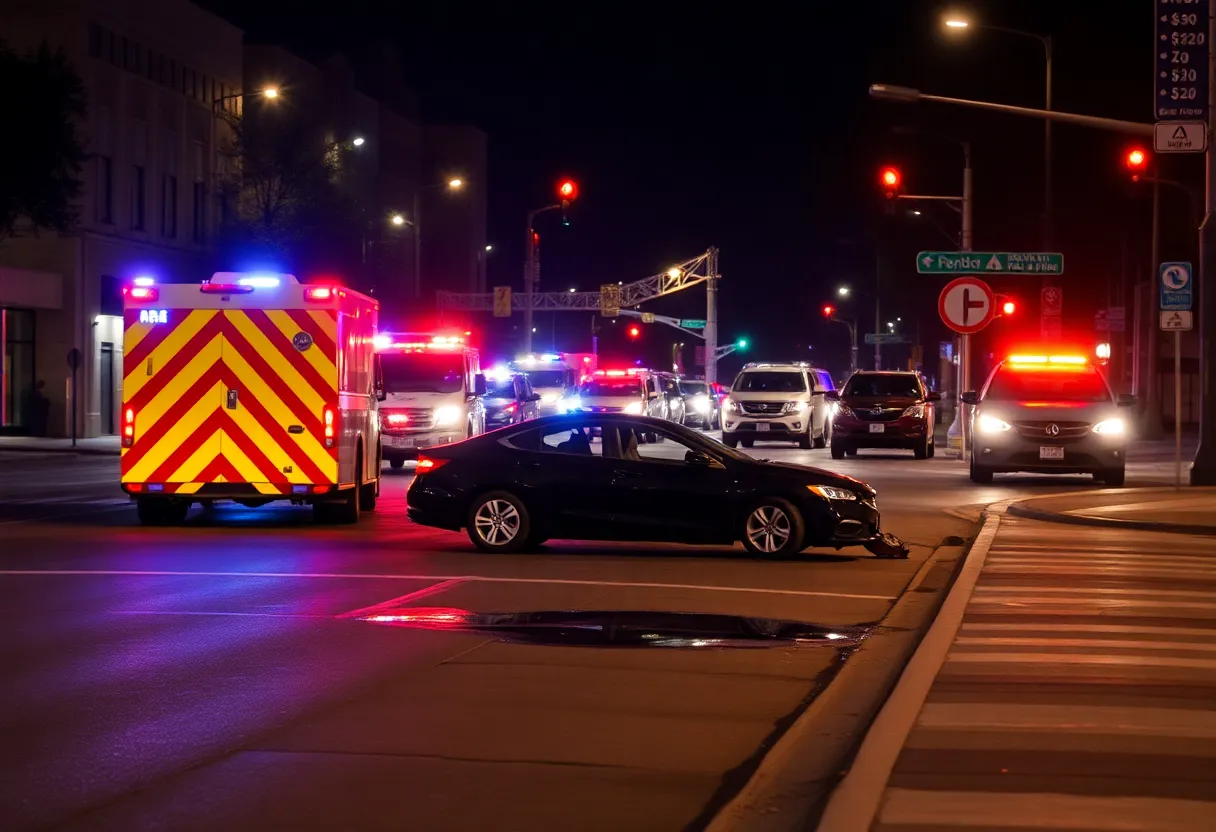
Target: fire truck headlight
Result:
[447, 415]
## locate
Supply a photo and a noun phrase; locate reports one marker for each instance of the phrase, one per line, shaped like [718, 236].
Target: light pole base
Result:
[1203, 469]
[954, 436]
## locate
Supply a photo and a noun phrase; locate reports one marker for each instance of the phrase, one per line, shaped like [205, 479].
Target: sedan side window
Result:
[673, 450]
[577, 440]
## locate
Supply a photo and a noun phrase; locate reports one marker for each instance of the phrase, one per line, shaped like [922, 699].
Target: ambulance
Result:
[250, 388]
[433, 392]
[554, 376]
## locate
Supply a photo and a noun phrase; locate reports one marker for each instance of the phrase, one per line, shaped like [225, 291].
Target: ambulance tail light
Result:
[128, 427]
[146, 294]
[319, 294]
[330, 419]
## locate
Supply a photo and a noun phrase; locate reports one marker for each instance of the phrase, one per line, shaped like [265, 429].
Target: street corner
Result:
[1191, 511]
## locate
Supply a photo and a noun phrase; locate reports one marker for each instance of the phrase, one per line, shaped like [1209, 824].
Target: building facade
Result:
[152, 71]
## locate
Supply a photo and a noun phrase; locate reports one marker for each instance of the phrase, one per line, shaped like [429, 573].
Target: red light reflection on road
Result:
[436, 618]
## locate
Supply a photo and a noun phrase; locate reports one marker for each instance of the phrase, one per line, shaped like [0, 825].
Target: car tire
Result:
[980, 474]
[922, 450]
[368, 493]
[396, 464]
[806, 442]
[851, 451]
[773, 528]
[498, 522]
[176, 511]
[933, 449]
[1114, 477]
[838, 450]
[730, 441]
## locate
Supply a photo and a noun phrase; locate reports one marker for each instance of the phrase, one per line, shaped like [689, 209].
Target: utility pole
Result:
[877, 306]
[711, 315]
[966, 244]
[1151, 423]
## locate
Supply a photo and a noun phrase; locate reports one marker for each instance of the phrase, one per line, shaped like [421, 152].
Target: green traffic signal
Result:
[741, 343]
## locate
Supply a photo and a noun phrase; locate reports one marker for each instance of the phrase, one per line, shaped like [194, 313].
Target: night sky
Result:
[751, 129]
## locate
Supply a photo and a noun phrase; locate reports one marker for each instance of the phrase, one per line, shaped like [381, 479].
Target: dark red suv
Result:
[880, 409]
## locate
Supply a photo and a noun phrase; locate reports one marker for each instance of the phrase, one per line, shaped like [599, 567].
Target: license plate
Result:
[877, 428]
[1048, 452]
[400, 441]
[762, 427]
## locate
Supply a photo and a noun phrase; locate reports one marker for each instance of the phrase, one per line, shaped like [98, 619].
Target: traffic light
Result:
[567, 191]
[890, 180]
[1137, 163]
[1005, 305]
[635, 331]
[741, 344]
[1007, 308]
[829, 310]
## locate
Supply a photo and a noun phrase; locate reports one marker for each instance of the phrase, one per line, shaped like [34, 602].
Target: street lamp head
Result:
[915, 213]
[456, 184]
[674, 272]
[572, 290]
[489, 248]
[888, 92]
[843, 291]
[397, 219]
[271, 92]
[358, 141]
[957, 23]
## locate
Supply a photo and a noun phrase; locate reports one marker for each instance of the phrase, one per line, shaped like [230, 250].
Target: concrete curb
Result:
[856, 801]
[784, 789]
[69, 451]
[1020, 509]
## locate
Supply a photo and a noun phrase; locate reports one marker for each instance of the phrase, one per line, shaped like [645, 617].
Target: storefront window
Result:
[21, 410]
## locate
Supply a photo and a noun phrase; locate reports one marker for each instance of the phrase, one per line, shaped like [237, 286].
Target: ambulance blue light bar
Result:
[260, 281]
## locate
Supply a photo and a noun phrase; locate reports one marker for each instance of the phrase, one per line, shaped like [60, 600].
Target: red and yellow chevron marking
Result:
[177, 380]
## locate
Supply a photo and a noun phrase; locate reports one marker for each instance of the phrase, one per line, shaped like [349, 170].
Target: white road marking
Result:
[1088, 628]
[155, 573]
[1079, 719]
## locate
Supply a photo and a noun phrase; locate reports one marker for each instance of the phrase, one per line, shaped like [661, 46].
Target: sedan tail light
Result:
[430, 464]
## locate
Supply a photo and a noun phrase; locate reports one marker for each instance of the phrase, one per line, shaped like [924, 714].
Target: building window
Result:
[168, 215]
[19, 407]
[95, 36]
[200, 212]
[105, 189]
[138, 197]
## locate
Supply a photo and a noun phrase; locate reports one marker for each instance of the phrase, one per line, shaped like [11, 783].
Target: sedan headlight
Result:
[1109, 427]
[634, 408]
[831, 492]
[448, 415]
[729, 406]
[991, 424]
[700, 403]
[916, 411]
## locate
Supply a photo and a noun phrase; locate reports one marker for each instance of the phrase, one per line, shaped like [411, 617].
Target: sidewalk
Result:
[105, 445]
[1185, 511]
[1069, 682]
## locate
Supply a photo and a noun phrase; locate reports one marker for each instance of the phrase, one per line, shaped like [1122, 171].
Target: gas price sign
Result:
[1181, 76]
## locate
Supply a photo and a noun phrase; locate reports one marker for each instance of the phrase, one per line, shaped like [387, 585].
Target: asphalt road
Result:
[224, 675]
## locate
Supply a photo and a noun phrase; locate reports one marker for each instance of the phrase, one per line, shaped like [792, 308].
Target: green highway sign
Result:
[989, 262]
[884, 338]
[693, 323]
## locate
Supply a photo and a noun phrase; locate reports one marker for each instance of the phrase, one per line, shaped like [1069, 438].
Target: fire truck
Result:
[433, 392]
[250, 388]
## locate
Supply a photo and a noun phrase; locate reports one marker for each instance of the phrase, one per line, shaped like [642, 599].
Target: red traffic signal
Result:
[567, 190]
[829, 311]
[1005, 305]
[1007, 308]
[890, 180]
[1137, 163]
[635, 331]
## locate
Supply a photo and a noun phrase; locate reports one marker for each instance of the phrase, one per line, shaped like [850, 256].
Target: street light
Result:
[358, 141]
[843, 291]
[397, 219]
[454, 184]
[271, 92]
[959, 23]
[489, 248]
[673, 272]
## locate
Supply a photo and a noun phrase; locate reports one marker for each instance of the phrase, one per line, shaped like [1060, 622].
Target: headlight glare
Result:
[1110, 427]
[729, 406]
[991, 424]
[447, 415]
[634, 407]
[916, 411]
[797, 407]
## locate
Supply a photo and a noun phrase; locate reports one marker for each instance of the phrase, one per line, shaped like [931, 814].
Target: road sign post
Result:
[1177, 292]
[990, 262]
[692, 323]
[74, 357]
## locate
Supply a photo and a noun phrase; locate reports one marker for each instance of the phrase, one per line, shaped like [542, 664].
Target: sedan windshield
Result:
[500, 388]
[890, 385]
[1047, 385]
[422, 372]
[694, 388]
[547, 378]
[769, 382]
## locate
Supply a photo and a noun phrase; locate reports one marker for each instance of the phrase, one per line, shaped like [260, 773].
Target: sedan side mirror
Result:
[970, 397]
[832, 395]
[934, 396]
[698, 458]
[1125, 400]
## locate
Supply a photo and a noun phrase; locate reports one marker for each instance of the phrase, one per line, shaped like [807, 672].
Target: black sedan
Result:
[601, 476]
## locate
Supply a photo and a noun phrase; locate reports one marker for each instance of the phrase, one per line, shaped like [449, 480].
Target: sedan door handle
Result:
[629, 474]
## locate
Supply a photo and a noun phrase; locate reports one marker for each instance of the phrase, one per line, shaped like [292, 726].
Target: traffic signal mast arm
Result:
[674, 323]
[682, 276]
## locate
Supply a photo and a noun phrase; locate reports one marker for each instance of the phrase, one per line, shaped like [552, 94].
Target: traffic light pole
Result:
[530, 272]
[711, 316]
[1203, 470]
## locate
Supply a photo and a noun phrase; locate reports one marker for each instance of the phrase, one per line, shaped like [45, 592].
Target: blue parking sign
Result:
[1176, 286]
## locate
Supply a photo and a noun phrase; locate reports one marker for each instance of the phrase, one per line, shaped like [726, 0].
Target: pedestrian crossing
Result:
[1079, 693]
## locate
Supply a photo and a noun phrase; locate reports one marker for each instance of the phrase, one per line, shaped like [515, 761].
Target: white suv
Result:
[778, 403]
